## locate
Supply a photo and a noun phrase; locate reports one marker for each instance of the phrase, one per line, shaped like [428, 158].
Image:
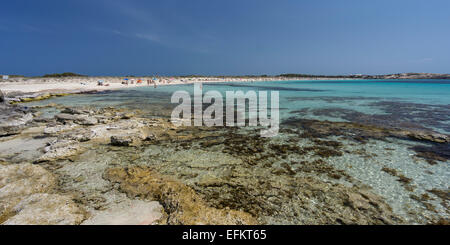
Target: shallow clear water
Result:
[413, 104]
[424, 103]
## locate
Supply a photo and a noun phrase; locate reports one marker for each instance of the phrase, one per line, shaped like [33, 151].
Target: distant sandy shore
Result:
[88, 84]
[17, 85]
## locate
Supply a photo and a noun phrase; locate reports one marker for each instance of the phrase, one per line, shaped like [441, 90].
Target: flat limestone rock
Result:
[22, 149]
[13, 119]
[61, 150]
[24, 179]
[67, 117]
[79, 119]
[46, 209]
[133, 212]
[57, 129]
[17, 181]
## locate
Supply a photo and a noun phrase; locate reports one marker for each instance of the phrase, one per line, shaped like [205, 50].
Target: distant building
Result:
[5, 77]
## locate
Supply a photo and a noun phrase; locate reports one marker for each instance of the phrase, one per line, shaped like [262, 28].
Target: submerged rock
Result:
[121, 140]
[429, 136]
[223, 176]
[276, 182]
[71, 111]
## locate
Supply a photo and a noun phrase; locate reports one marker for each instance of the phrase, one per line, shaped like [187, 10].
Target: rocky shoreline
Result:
[115, 166]
[31, 191]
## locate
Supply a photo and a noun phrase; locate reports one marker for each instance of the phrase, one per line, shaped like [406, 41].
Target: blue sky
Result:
[227, 37]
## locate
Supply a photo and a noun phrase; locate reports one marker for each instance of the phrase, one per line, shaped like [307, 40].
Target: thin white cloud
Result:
[134, 13]
[149, 26]
[106, 30]
[145, 36]
[117, 32]
[149, 37]
[143, 19]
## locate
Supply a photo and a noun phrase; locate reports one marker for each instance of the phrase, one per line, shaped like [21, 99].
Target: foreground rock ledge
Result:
[132, 212]
[181, 203]
[26, 198]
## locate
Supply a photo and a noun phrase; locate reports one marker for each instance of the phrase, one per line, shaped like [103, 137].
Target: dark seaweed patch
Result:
[433, 153]
[401, 115]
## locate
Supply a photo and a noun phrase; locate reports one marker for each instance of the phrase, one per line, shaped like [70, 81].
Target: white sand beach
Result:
[87, 84]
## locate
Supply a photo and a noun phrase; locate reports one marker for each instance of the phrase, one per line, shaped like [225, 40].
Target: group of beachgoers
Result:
[154, 81]
[127, 81]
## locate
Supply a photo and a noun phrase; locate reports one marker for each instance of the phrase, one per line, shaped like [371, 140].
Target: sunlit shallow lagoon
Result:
[422, 102]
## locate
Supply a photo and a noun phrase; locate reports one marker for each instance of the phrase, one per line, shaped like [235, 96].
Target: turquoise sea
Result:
[421, 103]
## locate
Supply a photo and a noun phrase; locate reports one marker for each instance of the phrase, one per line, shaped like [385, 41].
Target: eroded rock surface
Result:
[180, 202]
[60, 150]
[79, 119]
[133, 212]
[25, 197]
[13, 119]
[46, 209]
[217, 175]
